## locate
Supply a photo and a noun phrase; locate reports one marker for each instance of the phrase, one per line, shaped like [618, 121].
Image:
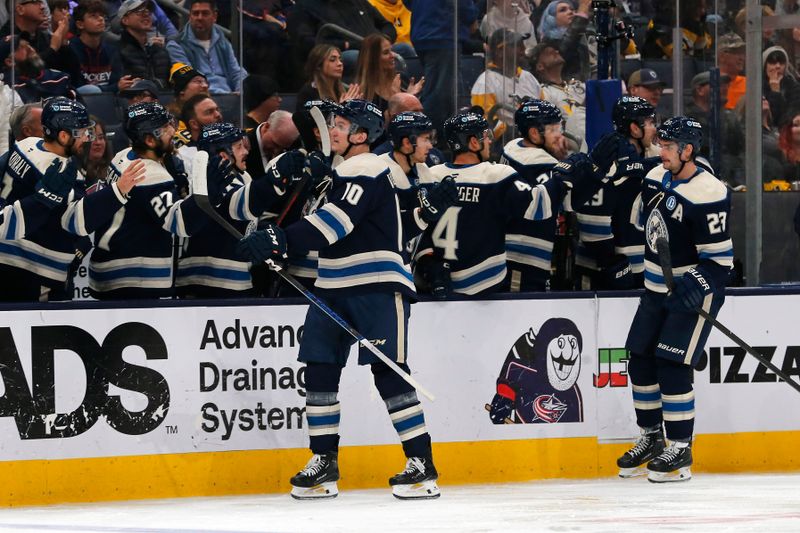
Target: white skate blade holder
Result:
[425, 490]
[681, 474]
[636, 471]
[323, 490]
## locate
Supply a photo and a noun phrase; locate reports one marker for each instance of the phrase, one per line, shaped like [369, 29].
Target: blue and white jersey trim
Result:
[363, 269]
[238, 208]
[332, 222]
[173, 222]
[635, 256]
[214, 272]
[540, 207]
[529, 251]
[594, 228]
[73, 219]
[484, 275]
[143, 272]
[36, 259]
[719, 252]
[305, 267]
[13, 223]
[654, 276]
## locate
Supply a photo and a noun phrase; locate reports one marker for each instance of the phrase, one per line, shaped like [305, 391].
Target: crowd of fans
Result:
[146, 51]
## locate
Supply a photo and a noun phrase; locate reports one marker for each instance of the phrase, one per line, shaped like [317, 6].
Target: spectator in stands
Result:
[732, 135]
[731, 51]
[203, 46]
[324, 69]
[31, 25]
[100, 154]
[398, 14]
[162, 25]
[773, 165]
[646, 84]
[562, 23]
[512, 15]
[501, 87]
[198, 111]
[789, 143]
[270, 139]
[568, 95]
[401, 103]
[261, 99]
[432, 35]
[780, 87]
[99, 60]
[789, 39]
[355, 16]
[26, 121]
[32, 81]
[143, 55]
[264, 22]
[696, 40]
[140, 91]
[186, 82]
[768, 36]
[376, 74]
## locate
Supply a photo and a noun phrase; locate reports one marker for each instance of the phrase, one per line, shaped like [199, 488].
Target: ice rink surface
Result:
[709, 502]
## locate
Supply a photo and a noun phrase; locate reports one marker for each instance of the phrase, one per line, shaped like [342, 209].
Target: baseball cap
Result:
[705, 78]
[132, 5]
[140, 86]
[21, 2]
[730, 41]
[645, 76]
[180, 75]
[505, 36]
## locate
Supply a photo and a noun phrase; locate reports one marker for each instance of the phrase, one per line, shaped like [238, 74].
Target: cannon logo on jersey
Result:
[542, 370]
[655, 229]
[34, 408]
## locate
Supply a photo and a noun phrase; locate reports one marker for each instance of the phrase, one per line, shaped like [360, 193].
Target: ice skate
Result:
[648, 446]
[672, 465]
[417, 481]
[318, 478]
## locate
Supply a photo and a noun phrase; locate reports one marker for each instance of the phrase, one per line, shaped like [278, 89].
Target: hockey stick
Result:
[201, 198]
[665, 258]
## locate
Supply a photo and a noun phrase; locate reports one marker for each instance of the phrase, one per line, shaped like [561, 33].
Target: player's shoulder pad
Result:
[154, 172]
[527, 155]
[32, 149]
[656, 174]
[367, 165]
[399, 178]
[485, 173]
[704, 188]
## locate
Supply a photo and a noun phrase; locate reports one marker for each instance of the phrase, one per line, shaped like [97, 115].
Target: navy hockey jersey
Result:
[358, 232]
[693, 215]
[471, 234]
[47, 250]
[135, 249]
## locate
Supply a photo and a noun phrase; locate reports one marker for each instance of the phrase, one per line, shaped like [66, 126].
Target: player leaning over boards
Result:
[689, 207]
[365, 278]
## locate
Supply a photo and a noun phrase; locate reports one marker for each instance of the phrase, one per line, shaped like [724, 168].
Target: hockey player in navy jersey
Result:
[689, 207]
[209, 266]
[610, 254]
[35, 262]
[410, 134]
[133, 256]
[364, 276]
[465, 251]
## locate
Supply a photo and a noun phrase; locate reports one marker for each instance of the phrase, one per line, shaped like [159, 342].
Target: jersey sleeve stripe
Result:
[332, 222]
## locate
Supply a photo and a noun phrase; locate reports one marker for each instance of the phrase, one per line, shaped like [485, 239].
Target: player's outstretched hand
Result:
[131, 176]
[54, 187]
[268, 244]
[287, 169]
[438, 199]
[608, 149]
[218, 176]
[690, 291]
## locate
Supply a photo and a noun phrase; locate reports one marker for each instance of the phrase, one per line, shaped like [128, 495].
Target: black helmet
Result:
[219, 137]
[460, 128]
[145, 118]
[364, 115]
[631, 109]
[408, 124]
[682, 130]
[536, 114]
[327, 107]
[62, 114]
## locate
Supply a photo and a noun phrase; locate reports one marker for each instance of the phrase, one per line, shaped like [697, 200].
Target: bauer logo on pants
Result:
[538, 382]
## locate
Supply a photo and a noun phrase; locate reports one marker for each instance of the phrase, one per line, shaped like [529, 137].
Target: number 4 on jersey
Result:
[444, 234]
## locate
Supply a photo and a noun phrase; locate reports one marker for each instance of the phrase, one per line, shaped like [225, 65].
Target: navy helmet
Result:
[408, 124]
[362, 115]
[536, 114]
[145, 118]
[631, 109]
[682, 130]
[219, 137]
[63, 114]
[327, 107]
[460, 128]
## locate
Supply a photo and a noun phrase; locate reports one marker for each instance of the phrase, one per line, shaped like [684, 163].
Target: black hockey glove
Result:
[502, 403]
[318, 168]
[54, 187]
[441, 284]
[268, 244]
[608, 149]
[617, 274]
[218, 176]
[288, 169]
[690, 291]
[434, 202]
[177, 170]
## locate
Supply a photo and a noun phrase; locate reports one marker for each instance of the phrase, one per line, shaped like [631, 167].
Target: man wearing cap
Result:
[32, 81]
[261, 98]
[646, 84]
[99, 61]
[731, 50]
[504, 79]
[140, 91]
[203, 46]
[142, 57]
